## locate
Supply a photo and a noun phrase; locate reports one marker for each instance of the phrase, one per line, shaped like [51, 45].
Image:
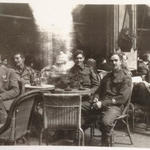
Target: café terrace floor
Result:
[141, 139]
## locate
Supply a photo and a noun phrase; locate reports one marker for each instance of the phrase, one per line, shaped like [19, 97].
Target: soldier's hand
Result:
[97, 105]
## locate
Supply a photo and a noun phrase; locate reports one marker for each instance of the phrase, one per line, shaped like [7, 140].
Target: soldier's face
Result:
[116, 62]
[18, 60]
[79, 59]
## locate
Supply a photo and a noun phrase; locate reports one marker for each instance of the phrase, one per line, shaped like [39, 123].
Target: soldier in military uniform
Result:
[141, 93]
[144, 68]
[82, 76]
[9, 89]
[25, 74]
[111, 96]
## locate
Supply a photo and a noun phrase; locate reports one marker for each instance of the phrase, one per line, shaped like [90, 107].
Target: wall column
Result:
[134, 26]
[116, 26]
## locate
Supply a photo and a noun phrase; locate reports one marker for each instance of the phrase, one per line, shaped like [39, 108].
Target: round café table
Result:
[47, 87]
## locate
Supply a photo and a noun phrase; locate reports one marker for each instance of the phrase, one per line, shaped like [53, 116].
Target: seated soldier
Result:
[144, 68]
[111, 96]
[83, 76]
[25, 74]
[9, 89]
[141, 92]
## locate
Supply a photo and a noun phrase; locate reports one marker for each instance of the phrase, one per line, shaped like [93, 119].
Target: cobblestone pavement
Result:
[141, 139]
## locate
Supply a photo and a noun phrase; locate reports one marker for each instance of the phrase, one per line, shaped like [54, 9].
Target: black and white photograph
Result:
[75, 74]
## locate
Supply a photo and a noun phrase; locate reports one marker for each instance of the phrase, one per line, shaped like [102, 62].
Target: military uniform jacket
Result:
[85, 76]
[25, 75]
[115, 85]
[9, 87]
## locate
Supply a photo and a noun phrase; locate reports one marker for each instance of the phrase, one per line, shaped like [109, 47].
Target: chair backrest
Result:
[19, 115]
[128, 101]
[62, 111]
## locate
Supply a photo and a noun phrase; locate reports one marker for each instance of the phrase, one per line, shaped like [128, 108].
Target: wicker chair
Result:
[141, 109]
[16, 125]
[9, 102]
[145, 116]
[62, 112]
[124, 119]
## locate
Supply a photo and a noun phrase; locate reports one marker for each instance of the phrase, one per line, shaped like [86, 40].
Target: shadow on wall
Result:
[18, 31]
[90, 25]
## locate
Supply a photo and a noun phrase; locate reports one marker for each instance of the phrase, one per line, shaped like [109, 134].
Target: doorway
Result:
[91, 26]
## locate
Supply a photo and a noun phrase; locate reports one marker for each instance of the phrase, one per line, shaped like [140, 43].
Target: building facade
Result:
[42, 33]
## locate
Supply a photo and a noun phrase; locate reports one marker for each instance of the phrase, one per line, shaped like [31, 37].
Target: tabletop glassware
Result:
[43, 81]
[37, 81]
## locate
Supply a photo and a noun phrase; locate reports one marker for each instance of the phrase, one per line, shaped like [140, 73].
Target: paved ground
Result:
[141, 139]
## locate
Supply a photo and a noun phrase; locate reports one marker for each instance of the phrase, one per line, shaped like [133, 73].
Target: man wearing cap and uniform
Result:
[25, 74]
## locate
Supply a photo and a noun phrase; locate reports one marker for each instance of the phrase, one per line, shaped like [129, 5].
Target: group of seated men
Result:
[9, 83]
[108, 95]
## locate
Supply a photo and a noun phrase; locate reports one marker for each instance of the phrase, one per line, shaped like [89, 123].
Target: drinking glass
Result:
[43, 80]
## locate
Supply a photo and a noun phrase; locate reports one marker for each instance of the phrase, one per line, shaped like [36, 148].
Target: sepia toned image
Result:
[74, 74]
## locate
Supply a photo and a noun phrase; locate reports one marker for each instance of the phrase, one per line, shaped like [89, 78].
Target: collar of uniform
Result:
[118, 75]
[80, 67]
[21, 69]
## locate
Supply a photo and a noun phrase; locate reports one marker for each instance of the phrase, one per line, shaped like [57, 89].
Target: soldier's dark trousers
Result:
[89, 115]
[104, 116]
[106, 120]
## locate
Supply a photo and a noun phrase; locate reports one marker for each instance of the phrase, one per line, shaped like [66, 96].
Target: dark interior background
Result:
[18, 34]
[21, 35]
[90, 24]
